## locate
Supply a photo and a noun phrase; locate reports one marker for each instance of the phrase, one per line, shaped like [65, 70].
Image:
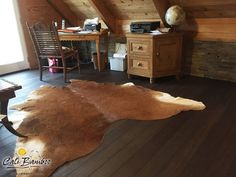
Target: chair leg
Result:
[65, 75]
[64, 70]
[78, 61]
[41, 73]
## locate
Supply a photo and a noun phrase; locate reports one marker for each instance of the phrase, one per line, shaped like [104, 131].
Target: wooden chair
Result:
[48, 46]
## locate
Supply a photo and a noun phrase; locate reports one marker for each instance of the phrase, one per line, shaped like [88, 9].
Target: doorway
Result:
[13, 50]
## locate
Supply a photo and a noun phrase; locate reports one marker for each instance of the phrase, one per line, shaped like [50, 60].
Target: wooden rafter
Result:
[64, 10]
[105, 14]
[162, 6]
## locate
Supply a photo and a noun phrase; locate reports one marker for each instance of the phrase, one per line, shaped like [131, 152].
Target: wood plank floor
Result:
[190, 144]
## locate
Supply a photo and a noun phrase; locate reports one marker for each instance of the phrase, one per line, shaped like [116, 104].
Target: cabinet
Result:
[154, 56]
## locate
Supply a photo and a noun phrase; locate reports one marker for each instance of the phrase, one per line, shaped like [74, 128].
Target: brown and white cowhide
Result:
[63, 124]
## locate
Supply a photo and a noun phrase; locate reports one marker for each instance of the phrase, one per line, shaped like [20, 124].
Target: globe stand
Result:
[173, 28]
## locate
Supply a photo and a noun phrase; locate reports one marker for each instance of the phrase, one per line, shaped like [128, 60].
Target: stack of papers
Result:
[85, 32]
[160, 31]
[76, 28]
[156, 32]
[70, 29]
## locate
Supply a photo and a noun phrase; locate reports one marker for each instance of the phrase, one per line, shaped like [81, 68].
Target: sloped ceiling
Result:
[203, 16]
[132, 9]
[121, 9]
[145, 9]
[81, 8]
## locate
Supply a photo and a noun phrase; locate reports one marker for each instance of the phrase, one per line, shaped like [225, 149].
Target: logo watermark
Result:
[24, 159]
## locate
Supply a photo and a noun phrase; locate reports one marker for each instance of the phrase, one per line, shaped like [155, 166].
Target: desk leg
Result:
[3, 105]
[98, 54]
[106, 43]
[9, 127]
[5, 121]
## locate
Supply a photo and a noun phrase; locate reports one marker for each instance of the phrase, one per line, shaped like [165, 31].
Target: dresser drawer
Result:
[139, 66]
[140, 47]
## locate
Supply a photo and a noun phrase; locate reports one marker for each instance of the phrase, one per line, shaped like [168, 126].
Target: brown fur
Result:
[70, 122]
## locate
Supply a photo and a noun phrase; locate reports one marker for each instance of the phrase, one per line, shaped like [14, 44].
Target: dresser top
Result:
[153, 35]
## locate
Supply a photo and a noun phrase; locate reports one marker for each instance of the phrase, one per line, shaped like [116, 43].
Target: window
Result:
[12, 48]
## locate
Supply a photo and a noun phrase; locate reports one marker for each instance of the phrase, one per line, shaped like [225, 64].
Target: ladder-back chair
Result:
[48, 46]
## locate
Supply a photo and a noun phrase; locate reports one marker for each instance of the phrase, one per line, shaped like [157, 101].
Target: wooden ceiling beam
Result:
[161, 7]
[105, 14]
[65, 11]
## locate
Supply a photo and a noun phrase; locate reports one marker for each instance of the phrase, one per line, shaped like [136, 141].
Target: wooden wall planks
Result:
[202, 2]
[122, 10]
[211, 11]
[82, 8]
[213, 20]
[64, 10]
[211, 29]
[138, 9]
[32, 11]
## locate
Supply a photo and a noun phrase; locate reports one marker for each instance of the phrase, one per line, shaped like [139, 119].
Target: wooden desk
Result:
[93, 36]
[7, 91]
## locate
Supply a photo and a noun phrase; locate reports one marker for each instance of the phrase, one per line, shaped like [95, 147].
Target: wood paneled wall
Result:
[64, 10]
[82, 8]
[211, 29]
[209, 20]
[32, 11]
[208, 8]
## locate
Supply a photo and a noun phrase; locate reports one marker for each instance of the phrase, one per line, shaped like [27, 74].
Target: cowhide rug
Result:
[63, 124]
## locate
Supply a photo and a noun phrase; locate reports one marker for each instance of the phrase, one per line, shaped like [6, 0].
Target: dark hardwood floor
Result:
[190, 144]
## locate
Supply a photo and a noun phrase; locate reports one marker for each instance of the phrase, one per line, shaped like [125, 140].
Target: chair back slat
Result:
[45, 40]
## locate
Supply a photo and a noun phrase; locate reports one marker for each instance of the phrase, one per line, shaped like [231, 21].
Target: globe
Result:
[175, 15]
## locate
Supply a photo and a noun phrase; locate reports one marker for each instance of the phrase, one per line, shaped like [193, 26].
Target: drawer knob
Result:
[158, 53]
[140, 48]
[139, 64]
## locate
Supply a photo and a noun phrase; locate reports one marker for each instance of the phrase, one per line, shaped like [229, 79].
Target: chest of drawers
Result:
[154, 56]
